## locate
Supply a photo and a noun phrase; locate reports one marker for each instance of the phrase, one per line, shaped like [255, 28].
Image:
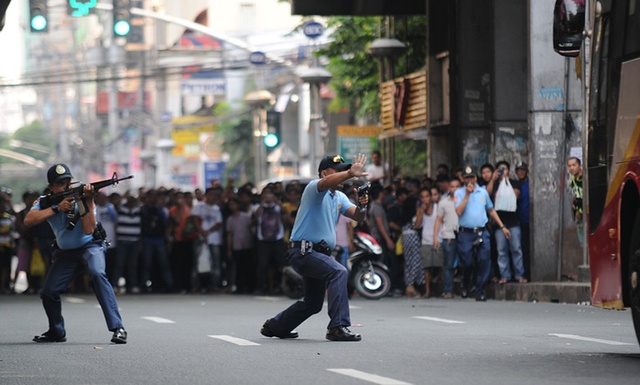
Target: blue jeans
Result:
[155, 247]
[450, 248]
[344, 256]
[321, 273]
[64, 268]
[127, 258]
[511, 246]
[482, 256]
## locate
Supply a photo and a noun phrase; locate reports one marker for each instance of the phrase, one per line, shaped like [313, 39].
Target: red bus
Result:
[612, 142]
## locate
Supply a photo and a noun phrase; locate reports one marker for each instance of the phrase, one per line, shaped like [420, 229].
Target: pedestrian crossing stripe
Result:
[159, 320]
[234, 340]
[373, 378]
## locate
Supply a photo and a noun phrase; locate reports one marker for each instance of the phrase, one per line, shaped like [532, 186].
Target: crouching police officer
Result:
[312, 239]
[77, 250]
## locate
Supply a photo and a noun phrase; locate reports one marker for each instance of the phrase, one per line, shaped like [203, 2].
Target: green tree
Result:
[355, 72]
[236, 131]
[356, 76]
[31, 134]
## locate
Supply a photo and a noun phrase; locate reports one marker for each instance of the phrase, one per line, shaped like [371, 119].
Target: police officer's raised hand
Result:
[357, 166]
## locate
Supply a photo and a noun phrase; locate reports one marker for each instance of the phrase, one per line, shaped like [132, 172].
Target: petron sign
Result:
[312, 29]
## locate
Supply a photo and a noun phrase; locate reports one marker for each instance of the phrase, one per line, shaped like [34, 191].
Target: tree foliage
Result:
[33, 133]
[236, 133]
[356, 76]
[355, 72]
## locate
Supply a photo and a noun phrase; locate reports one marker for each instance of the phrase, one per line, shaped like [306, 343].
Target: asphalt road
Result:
[215, 339]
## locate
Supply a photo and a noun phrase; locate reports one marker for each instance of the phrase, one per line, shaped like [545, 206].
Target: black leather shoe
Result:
[464, 293]
[119, 336]
[481, 298]
[49, 336]
[342, 333]
[267, 332]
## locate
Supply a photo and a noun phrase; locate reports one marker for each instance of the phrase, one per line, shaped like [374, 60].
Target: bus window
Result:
[568, 26]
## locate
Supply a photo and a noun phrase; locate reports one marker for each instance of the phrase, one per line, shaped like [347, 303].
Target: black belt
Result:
[471, 229]
[319, 247]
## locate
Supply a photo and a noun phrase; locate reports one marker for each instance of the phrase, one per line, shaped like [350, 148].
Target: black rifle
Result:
[78, 193]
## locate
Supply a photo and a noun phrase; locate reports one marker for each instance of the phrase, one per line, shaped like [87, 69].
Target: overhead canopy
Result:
[358, 7]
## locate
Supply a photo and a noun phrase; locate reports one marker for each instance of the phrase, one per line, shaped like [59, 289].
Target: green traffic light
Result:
[122, 28]
[38, 23]
[271, 140]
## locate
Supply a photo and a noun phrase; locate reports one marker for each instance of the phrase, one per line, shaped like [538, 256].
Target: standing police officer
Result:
[77, 250]
[472, 205]
[312, 239]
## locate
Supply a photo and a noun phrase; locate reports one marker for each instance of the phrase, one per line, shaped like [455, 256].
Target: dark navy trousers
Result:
[321, 273]
[479, 255]
[65, 266]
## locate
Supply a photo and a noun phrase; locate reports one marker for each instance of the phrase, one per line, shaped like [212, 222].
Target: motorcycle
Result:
[368, 275]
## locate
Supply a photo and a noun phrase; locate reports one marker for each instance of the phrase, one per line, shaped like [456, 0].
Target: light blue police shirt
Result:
[475, 214]
[66, 239]
[318, 214]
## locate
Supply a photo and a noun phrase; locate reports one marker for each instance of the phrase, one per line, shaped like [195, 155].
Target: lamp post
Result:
[385, 50]
[164, 146]
[315, 76]
[259, 101]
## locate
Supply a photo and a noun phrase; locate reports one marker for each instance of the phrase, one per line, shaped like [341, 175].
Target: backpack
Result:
[270, 221]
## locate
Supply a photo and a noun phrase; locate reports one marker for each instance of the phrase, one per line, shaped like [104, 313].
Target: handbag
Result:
[190, 230]
[204, 257]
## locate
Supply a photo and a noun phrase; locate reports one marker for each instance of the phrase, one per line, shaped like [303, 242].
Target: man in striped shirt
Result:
[128, 229]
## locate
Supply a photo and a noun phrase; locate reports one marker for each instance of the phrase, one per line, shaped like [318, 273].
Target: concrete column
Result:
[549, 146]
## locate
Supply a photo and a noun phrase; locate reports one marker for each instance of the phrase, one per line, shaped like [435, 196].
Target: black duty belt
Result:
[306, 247]
[471, 229]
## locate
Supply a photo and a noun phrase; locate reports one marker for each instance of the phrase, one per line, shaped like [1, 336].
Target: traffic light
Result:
[38, 15]
[274, 121]
[79, 8]
[121, 17]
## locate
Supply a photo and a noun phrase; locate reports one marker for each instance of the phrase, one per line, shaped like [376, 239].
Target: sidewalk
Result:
[561, 292]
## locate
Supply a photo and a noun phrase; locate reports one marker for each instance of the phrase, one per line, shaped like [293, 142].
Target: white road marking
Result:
[159, 320]
[447, 321]
[368, 377]
[74, 300]
[234, 340]
[588, 339]
[267, 298]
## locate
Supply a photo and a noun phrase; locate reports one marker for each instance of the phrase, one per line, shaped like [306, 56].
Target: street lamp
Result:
[259, 101]
[164, 146]
[315, 76]
[386, 50]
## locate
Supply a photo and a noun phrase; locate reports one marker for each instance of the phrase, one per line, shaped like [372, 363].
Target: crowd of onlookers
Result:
[234, 239]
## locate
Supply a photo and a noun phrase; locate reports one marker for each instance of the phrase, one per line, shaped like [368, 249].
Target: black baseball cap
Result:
[335, 162]
[58, 172]
[468, 171]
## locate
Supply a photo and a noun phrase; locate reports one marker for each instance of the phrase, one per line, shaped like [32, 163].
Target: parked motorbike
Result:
[368, 275]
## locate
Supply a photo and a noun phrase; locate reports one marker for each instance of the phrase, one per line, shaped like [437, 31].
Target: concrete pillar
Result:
[549, 90]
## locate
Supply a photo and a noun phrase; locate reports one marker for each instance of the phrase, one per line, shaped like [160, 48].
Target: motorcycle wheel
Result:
[374, 284]
[292, 285]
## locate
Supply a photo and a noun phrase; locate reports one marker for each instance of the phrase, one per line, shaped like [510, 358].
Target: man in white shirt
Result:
[375, 169]
[211, 225]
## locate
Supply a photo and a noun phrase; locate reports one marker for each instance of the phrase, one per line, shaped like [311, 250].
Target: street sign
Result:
[258, 58]
[165, 117]
[312, 29]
